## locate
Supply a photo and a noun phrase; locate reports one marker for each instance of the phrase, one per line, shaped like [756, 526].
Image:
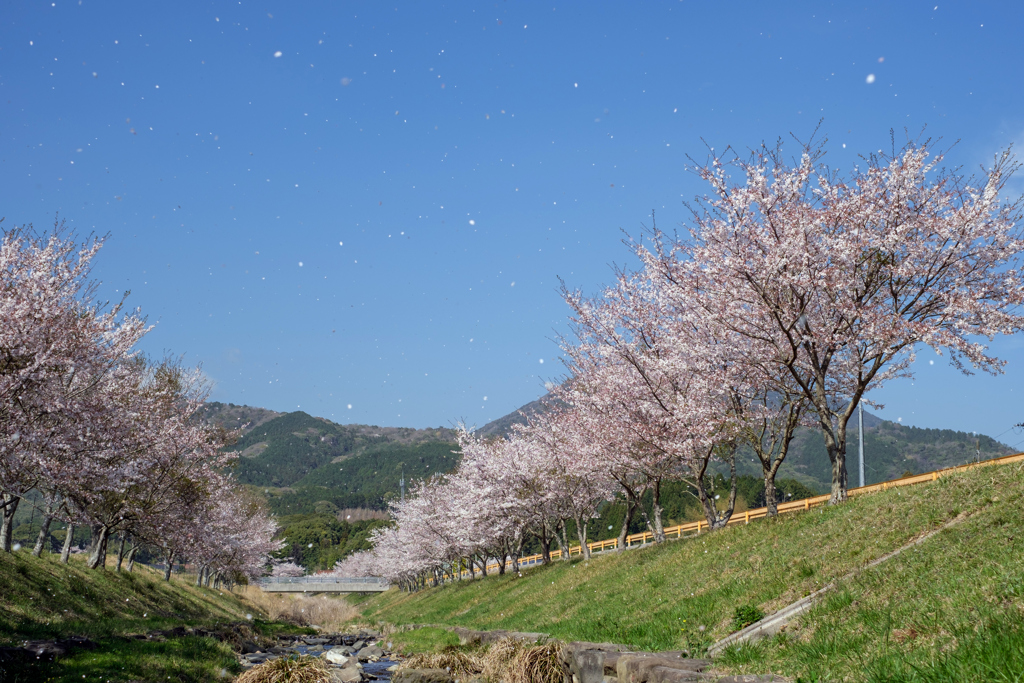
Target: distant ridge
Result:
[297, 460]
[503, 425]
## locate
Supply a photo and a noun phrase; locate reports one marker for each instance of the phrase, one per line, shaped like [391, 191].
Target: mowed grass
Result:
[40, 598]
[422, 640]
[954, 601]
[184, 660]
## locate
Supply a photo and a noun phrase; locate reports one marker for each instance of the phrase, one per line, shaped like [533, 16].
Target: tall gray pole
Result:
[860, 446]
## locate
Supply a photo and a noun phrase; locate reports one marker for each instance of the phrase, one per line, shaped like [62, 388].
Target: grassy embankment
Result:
[950, 609]
[43, 599]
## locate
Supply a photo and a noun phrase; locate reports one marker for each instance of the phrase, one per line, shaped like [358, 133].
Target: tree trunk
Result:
[770, 501]
[839, 475]
[517, 551]
[170, 565]
[120, 550]
[7, 525]
[65, 553]
[199, 577]
[98, 556]
[545, 543]
[727, 514]
[581, 534]
[659, 528]
[483, 566]
[563, 540]
[44, 536]
[835, 443]
[771, 461]
[624, 531]
[715, 519]
[501, 563]
[131, 556]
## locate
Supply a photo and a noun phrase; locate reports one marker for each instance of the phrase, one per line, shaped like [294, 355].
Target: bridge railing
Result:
[315, 580]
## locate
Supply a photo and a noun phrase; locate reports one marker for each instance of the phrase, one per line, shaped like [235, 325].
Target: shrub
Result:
[745, 616]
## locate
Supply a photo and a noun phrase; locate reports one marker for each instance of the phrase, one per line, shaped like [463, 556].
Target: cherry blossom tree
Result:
[287, 569]
[840, 281]
[58, 349]
[105, 437]
[159, 453]
[655, 368]
[569, 460]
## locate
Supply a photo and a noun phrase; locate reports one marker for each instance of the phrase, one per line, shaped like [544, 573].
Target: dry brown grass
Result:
[538, 664]
[499, 655]
[461, 665]
[506, 661]
[328, 612]
[289, 670]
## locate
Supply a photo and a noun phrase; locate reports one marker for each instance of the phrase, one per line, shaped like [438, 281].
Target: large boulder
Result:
[591, 662]
[667, 674]
[335, 656]
[46, 649]
[370, 652]
[422, 676]
[658, 667]
[346, 675]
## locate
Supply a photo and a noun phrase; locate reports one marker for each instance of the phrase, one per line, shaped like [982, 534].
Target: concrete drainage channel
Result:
[774, 623]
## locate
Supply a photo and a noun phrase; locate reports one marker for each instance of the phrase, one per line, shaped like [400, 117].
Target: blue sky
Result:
[370, 205]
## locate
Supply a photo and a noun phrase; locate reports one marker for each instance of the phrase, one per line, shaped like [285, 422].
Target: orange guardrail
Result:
[747, 516]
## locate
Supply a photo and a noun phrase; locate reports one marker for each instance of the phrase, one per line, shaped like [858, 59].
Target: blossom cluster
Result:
[793, 293]
[96, 434]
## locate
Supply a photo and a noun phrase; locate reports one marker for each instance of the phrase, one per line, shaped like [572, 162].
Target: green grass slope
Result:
[952, 603]
[43, 599]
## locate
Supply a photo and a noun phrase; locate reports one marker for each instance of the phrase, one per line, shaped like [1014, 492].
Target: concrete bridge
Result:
[322, 584]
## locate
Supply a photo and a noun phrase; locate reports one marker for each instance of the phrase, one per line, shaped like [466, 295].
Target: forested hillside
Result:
[890, 451]
[368, 479]
[315, 473]
[298, 460]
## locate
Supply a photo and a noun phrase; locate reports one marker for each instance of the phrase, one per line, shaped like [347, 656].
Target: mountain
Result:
[891, 450]
[298, 460]
[502, 427]
[329, 484]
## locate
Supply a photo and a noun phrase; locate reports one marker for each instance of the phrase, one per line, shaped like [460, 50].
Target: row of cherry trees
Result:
[95, 434]
[793, 293]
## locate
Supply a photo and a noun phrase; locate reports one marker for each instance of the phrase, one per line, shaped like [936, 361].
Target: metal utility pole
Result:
[401, 482]
[860, 445]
